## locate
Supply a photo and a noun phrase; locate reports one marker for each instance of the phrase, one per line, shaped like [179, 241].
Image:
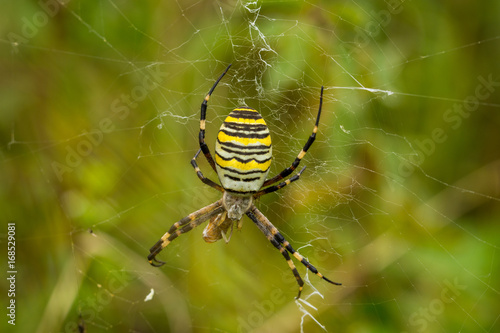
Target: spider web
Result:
[398, 202]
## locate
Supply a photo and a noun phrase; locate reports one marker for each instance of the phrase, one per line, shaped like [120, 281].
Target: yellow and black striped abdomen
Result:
[243, 151]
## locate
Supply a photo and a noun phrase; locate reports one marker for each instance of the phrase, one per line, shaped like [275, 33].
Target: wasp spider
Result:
[243, 156]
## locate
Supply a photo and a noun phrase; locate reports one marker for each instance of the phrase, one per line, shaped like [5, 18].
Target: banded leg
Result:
[271, 230]
[277, 245]
[186, 224]
[201, 137]
[279, 237]
[280, 185]
[205, 180]
[302, 153]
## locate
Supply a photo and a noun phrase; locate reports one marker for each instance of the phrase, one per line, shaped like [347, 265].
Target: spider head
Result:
[236, 205]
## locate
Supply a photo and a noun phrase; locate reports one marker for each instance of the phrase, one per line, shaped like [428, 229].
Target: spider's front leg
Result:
[203, 116]
[182, 226]
[302, 153]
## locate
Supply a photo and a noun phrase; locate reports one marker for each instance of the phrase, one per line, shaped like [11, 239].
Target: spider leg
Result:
[201, 137]
[277, 245]
[205, 180]
[274, 237]
[280, 185]
[302, 153]
[182, 226]
[279, 237]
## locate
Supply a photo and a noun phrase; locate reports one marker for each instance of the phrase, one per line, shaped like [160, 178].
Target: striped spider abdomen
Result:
[243, 152]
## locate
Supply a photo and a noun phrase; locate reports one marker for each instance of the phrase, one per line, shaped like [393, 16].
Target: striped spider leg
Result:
[302, 153]
[182, 226]
[279, 242]
[203, 114]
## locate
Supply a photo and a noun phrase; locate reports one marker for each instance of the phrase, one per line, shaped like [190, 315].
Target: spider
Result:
[243, 156]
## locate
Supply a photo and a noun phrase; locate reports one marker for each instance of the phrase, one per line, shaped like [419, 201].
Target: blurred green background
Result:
[400, 201]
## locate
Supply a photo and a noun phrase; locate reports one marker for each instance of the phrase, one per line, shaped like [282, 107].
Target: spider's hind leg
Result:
[279, 237]
[182, 226]
[153, 252]
[283, 246]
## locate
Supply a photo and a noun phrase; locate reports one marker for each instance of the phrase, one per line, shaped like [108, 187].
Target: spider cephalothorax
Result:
[235, 206]
[243, 155]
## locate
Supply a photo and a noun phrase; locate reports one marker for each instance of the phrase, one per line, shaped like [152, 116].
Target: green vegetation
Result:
[399, 201]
